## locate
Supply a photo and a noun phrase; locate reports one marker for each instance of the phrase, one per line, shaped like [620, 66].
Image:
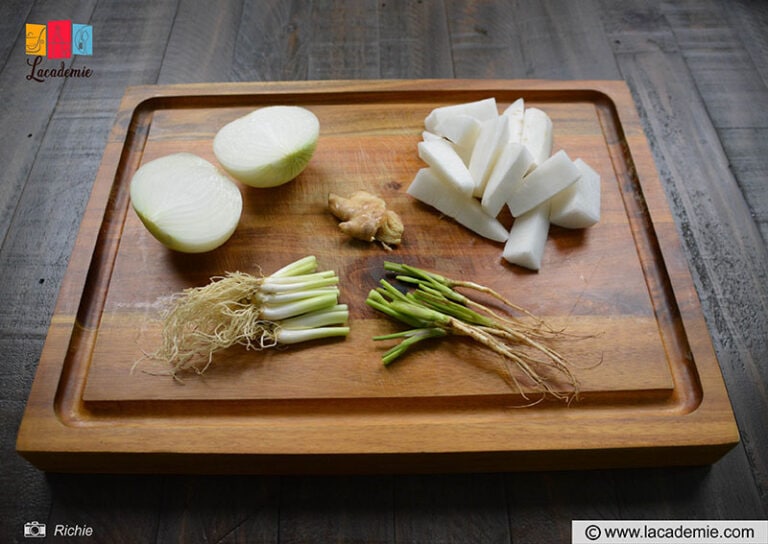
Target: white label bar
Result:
[669, 531]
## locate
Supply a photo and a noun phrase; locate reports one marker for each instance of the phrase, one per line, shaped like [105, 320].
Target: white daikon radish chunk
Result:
[463, 152]
[479, 109]
[465, 210]
[268, 147]
[185, 202]
[513, 163]
[484, 146]
[578, 206]
[548, 179]
[537, 134]
[516, 115]
[494, 135]
[460, 129]
[527, 238]
[441, 156]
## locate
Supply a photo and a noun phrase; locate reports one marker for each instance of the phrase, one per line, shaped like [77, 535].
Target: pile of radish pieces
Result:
[480, 161]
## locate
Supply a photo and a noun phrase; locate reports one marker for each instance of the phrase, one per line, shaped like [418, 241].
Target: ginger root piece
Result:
[365, 217]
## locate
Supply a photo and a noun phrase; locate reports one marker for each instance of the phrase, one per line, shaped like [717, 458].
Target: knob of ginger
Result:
[365, 217]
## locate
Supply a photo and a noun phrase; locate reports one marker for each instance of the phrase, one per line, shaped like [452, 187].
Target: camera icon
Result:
[34, 529]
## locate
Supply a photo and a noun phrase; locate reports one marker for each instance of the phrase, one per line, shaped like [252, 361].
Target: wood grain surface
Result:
[697, 74]
[621, 289]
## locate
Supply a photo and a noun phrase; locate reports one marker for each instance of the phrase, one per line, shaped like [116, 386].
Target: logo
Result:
[57, 40]
[34, 529]
[36, 37]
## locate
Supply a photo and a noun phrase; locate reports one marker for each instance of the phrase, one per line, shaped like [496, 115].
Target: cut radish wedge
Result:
[513, 163]
[537, 134]
[548, 179]
[527, 238]
[447, 163]
[461, 129]
[465, 210]
[494, 135]
[509, 160]
[479, 109]
[516, 115]
[186, 202]
[578, 206]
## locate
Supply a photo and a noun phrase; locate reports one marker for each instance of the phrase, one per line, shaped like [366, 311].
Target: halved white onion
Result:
[268, 147]
[187, 203]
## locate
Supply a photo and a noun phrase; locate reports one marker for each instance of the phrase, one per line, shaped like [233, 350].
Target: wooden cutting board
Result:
[651, 388]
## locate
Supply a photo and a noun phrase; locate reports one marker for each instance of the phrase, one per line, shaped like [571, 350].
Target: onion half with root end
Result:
[186, 203]
[268, 147]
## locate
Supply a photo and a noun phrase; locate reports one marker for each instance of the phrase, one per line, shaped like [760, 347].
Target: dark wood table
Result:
[698, 71]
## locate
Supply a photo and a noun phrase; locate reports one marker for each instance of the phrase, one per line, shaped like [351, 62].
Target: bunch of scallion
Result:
[433, 308]
[294, 304]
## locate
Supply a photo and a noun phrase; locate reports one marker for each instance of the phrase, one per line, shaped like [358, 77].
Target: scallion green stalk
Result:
[306, 265]
[435, 309]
